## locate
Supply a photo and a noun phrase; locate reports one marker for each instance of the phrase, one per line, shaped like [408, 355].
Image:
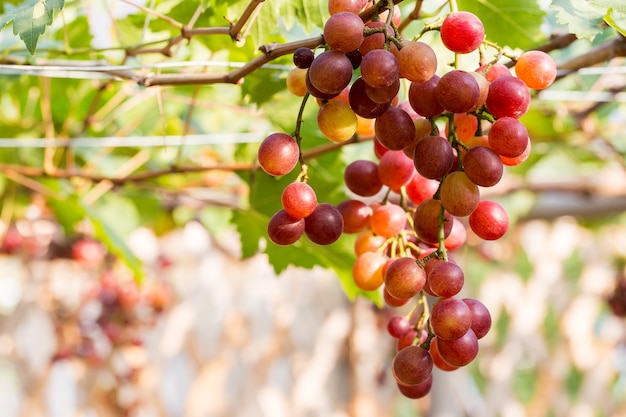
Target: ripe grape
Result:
[446, 279]
[494, 71]
[395, 129]
[317, 93]
[459, 352]
[404, 278]
[367, 241]
[419, 188]
[278, 154]
[508, 137]
[303, 57]
[367, 271]
[438, 361]
[450, 318]
[458, 91]
[459, 195]
[433, 157]
[296, 82]
[518, 159]
[395, 169]
[337, 121]
[384, 94]
[362, 104]
[398, 326]
[465, 126]
[392, 301]
[356, 215]
[483, 166]
[412, 365]
[489, 220]
[379, 68]
[388, 220]
[343, 31]
[423, 98]
[361, 177]
[330, 72]
[325, 225]
[299, 199]
[416, 391]
[426, 221]
[376, 40]
[481, 319]
[536, 68]
[417, 61]
[462, 32]
[457, 235]
[508, 96]
[284, 229]
[337, 6]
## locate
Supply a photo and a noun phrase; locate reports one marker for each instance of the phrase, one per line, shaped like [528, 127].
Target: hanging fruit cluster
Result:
[438, 140]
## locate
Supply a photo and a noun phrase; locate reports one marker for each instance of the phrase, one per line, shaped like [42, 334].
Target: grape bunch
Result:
[440, 135]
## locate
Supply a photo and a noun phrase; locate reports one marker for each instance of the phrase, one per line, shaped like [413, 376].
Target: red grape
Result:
[423, 99]
[395, 129]
[284, 229]
[446, 279]
[356, 215]
[536, 68]
[379, 68]
[450, 318]
[459, 195]
[412, 365]
[361, 177]
[426, 221]
[459, 352]
[462, 32]
[395, 169]
[489, 220]
[404, 278]
[325, 225]
[343, 31]
[299, 199]
[433, 157]
[481, 319]
[330, 72]
[508, 96]
[278, 154]
[483, 166]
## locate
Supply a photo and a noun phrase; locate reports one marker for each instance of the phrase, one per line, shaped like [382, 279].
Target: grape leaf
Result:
[30, 19]
[509, 22]
[609, 4]
[581, 19]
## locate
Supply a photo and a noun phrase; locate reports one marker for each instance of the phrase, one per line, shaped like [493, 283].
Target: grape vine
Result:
[439, 136]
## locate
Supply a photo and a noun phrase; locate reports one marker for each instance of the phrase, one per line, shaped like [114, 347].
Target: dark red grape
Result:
[325, 225]
[284, 229]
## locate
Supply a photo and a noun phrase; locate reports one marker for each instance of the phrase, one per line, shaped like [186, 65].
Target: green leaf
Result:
[581, 19]
[609, 4]
[509, 22]
[30, 19]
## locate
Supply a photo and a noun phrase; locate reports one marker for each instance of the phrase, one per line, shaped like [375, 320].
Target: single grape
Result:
[416, 391]
[299, 199]
[417, 61]
[404, 278]
[419, 188]
[446, 279]
[361, 177]
[489, 220]
[278, 154]
[383, 95]
[457, 236]
[483, 166]
[459, 195]
[337, 121]
[337, 6]
[481, 319]
[433, 157]
[398, 326]
[367, 241]
[379, 68]
[438, 361]
[395, 129]
[537, 69]
[361, 104]
[317, 93]
[508, 137]
[423, 98]
[303, 57]
[343, 31]
[330, 72]
[367, 271]
[426, 221]
[356, 215]
[395, 170]
[459, 352]
[325, 225]
[284, 229]
[450, 318]
[388, 220]
[376, 40]
[458, 91]
[296, 82]
[462, 32]
[355, 58]
[508, 96]
[392, 301]
[494, 71]
[412, 365]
